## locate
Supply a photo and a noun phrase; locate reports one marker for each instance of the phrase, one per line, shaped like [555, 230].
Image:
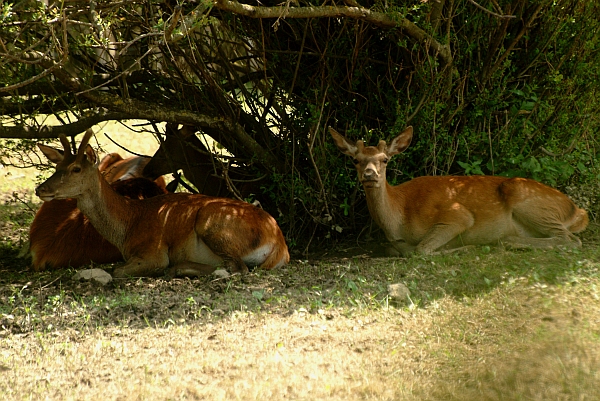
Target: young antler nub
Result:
[65, 143]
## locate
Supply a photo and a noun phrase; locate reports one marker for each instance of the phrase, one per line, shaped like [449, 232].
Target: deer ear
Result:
[401, 142]
[345, 146]
[91, 155]
[54, 155]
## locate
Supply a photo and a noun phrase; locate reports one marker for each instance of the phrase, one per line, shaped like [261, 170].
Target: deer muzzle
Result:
[370, 174]
[44, 193]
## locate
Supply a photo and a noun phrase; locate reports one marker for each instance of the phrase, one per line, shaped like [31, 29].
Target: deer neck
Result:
[108, 211]
[385, 206]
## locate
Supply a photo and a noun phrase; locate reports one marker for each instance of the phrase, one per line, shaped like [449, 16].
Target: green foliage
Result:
[472, 168]
[543, 169]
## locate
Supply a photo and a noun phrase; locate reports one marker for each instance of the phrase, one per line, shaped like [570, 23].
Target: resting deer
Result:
[433, 212]
[61, 236]
[115, 168]
[183, 150]
[184, 233]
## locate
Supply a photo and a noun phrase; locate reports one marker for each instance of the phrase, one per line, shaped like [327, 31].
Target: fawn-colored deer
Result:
[182, 234]
[61, 236]
[114, 168]
[430, 213]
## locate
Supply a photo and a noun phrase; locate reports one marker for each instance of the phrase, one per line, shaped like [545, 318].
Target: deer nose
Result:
[42, 191]
[370, 174]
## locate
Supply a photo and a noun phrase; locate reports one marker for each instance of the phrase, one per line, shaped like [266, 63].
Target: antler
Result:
[83, 145]
[360, 145]
[66, 145]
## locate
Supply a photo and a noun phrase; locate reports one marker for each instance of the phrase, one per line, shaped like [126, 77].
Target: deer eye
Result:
[355, 161]
[76, 170]
[385, 160]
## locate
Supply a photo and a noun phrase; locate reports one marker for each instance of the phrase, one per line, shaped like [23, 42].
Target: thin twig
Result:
[229, 184]
[491, 12]
[568, 150]
[30, 80]
[173, 22]
[131, 42]
[52, 282]
[123, 147]
[310, 152]
[134, 64]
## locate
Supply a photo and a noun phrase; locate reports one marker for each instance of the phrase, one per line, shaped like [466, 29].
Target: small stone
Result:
[97, 275]
[221, 273]
[398, 292]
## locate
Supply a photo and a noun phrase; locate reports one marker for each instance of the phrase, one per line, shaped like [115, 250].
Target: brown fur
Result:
[115, 168]
[435, 212]
[183, 150]
[61, 236]
[187, 234]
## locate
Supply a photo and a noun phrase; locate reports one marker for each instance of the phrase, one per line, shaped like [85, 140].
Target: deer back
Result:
[114, 168]
[181, 224]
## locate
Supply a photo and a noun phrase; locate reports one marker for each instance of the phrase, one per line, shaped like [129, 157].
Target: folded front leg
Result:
[191, 269]
[140, 267]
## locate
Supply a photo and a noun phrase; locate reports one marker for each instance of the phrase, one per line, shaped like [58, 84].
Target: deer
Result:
[435, 213]
[177, 234]
[183, 150]
[115, 168]
[61, 236]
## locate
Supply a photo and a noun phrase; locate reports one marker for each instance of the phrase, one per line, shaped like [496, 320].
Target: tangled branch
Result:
[360, 13]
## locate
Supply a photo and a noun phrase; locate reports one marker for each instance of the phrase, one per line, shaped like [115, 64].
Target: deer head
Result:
[371, 161]
[72, 176]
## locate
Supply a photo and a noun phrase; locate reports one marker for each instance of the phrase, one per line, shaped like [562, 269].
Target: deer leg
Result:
[401, 246]
[405, 249]
[437, 236]
[235, 265]
[139, 267]
[454, 250]
[191, 269]
[451, 224]
[220, 243]
[552, 232]
[515, 242]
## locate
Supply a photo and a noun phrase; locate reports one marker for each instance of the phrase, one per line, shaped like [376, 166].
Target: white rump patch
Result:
[258, 255]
